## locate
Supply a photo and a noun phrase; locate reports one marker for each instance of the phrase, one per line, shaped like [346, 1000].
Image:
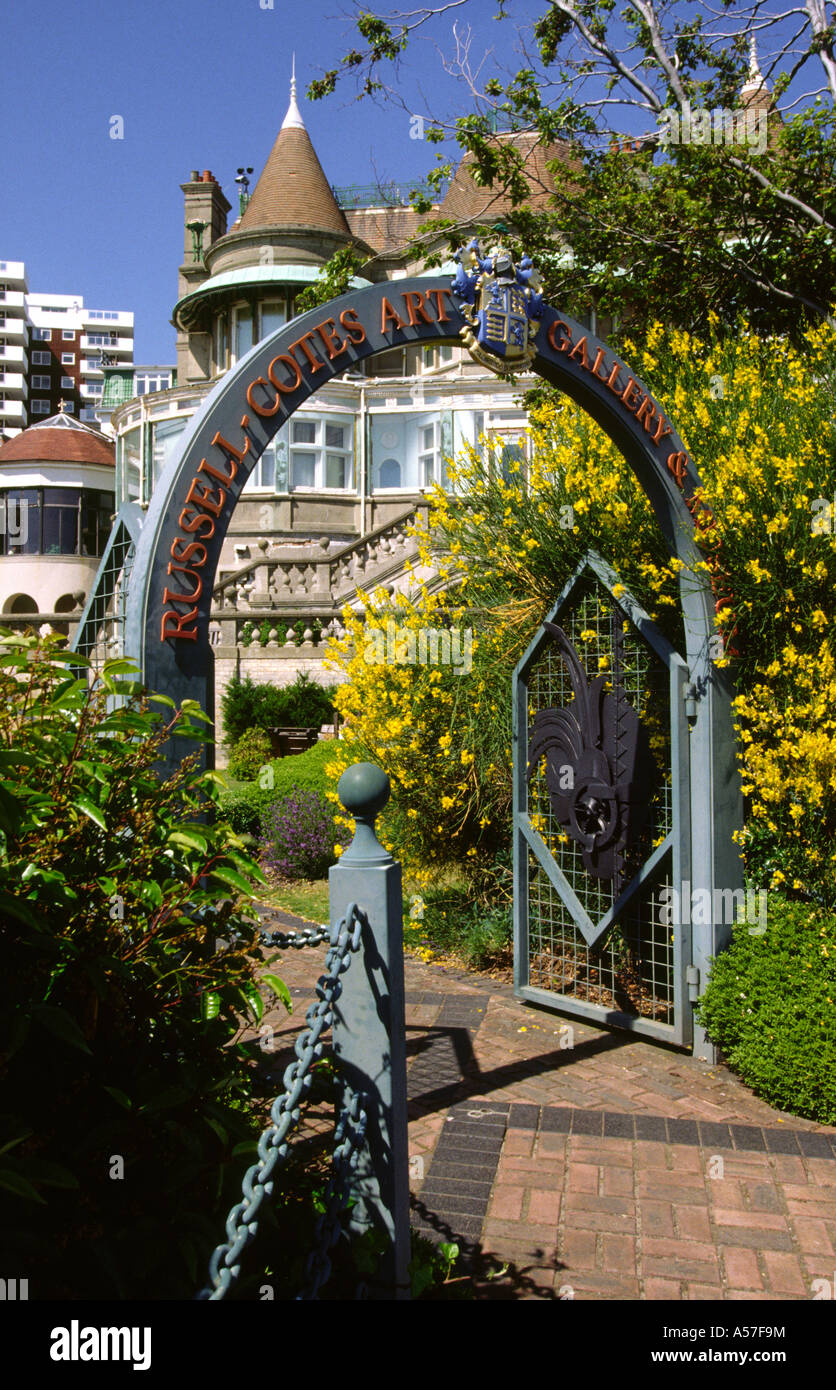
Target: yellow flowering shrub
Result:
[757, 417]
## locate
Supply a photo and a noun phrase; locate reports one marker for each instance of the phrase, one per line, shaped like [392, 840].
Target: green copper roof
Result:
[118, 387]
[253, 275]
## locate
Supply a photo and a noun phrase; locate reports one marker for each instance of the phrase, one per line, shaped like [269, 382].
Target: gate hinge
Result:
[692, 980]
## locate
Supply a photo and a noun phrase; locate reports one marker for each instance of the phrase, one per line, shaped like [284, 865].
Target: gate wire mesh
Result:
[630, 969]
[102, 635]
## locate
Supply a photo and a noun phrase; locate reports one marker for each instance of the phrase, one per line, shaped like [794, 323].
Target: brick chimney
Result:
[205, 204]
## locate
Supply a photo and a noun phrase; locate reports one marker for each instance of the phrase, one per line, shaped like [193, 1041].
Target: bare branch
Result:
[779, 193]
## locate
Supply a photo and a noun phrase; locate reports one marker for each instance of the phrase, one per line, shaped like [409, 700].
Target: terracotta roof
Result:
[386, 229]
[59, 439]
[293, 190]
[466, 201]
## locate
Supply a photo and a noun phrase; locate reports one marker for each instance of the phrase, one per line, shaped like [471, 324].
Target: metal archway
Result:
[179, 546]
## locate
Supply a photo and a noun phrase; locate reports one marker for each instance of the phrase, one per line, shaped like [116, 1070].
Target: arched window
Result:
[20, 603]
[390, 474]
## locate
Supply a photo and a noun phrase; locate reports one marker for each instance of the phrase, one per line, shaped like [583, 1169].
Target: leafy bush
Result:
[770, 1006]
[302, 705]
[243, 807]
[449, 921]
[298, 836]
[765, 447]
[129, 954]
[249, 755]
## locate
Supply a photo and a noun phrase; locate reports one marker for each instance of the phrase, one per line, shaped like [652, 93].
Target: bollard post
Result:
[369, 1028]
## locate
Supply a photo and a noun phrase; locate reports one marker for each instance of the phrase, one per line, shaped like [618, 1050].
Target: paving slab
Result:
[592, 1164]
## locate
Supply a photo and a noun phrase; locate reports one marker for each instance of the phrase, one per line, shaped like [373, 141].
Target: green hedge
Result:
[243, 805]
[249, 755]
[771, 1006]
[302, 705]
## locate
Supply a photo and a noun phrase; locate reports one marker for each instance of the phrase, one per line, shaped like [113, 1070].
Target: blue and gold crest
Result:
[502, 304]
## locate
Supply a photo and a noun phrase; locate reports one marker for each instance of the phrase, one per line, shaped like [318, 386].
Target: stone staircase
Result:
[293, 585]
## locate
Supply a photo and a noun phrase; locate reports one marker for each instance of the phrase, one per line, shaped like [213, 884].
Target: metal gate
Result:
[601, 814]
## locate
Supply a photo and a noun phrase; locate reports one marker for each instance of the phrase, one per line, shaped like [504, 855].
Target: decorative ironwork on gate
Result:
[101, 630]
[601, 814]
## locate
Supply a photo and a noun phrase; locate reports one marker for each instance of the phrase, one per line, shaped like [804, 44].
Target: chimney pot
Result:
[194, 176]
[207, 177]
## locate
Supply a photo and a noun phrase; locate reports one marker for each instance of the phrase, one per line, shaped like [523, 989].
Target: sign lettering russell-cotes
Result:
[208, 490]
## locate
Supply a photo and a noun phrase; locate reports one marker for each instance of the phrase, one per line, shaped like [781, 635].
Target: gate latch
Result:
[692, 980]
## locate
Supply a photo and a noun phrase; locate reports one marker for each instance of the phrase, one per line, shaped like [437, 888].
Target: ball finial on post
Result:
[364, 790]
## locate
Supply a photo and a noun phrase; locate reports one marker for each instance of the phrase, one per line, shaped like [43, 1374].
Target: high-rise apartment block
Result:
[53, 352]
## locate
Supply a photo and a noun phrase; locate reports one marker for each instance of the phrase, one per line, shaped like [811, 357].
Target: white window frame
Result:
[68, 383]
[433, 358]
[322, 451]
[41, 359]
[429, 458]
[67, 335]
[67, 359]
[40, 383]
[40, 407]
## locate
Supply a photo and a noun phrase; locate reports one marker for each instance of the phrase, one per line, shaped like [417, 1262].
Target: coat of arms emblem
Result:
[502, 303]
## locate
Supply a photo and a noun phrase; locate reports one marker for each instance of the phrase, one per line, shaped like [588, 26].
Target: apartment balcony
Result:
[111, 347]
[13, 412]
[112, 323]
[12, 383]
[90, 390]
[12, 327]
[14, 271]
[14, 357]
[12, 299]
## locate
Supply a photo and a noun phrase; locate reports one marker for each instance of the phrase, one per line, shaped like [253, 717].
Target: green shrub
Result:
[130, 955]
[302, 705]
[249, 755]
[448, 920]
[771, 1006]
[243, 807]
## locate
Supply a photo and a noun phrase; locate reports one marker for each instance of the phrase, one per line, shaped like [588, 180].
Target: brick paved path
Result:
[590, 1163]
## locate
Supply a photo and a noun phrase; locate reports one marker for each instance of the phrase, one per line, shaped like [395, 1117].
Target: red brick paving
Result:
[575, 1216]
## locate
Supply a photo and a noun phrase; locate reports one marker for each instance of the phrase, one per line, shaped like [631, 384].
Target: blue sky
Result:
[200, 84]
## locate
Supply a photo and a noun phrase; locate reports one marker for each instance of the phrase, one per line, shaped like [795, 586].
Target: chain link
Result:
[349, 1135]
[241, 1223]
[311, 936]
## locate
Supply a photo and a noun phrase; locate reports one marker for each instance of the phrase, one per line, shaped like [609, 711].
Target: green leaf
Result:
[279, 988]
[51, 1174]
[210, 1005]
[62, 1024]
[233, 879]
[18, 1139]
[248, 1148]
[167, 1099]
[253, 1000]
[16, 1183]
[217, 1128]
[189, 839]
[17, 908]
[91, 809]
[119, 1097]
[119, 666]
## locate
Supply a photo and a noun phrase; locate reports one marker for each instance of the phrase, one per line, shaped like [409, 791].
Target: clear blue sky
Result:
[200, 84]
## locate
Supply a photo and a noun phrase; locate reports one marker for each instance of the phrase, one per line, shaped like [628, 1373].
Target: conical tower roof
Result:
[293, 190]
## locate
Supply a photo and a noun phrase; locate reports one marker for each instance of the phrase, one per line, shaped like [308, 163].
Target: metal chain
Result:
[350, 1134]
[311, 936]
[241, 1223]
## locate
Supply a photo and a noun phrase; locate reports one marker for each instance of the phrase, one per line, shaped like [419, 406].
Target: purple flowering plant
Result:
[298, 835]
